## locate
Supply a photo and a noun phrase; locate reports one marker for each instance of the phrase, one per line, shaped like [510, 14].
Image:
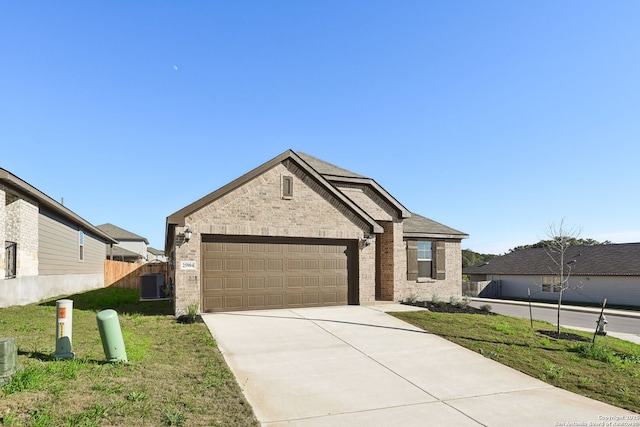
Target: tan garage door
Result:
[254, 275]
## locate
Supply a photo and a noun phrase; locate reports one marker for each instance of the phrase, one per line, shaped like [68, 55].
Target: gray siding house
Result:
[48, 249]
[597, 272]
[300, 232]
[130, 247]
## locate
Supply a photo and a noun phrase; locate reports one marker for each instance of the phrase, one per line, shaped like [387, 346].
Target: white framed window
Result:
[425, 259]
[551, 284]
[80, 245]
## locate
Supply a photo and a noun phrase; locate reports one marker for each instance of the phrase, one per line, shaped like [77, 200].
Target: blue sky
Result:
[496, 118]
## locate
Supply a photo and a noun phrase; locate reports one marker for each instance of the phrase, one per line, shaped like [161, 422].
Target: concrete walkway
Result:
[357, 366]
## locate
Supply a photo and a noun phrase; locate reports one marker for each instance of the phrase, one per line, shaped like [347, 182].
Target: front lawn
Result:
[175, 375]
[608, 371]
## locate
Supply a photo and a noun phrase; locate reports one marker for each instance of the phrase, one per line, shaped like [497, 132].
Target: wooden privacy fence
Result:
[127, 275]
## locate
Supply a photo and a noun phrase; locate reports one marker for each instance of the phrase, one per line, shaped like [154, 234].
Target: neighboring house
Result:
[597, 272]
[300, 232]
[156, 255]
[130, 246]
[48, 249]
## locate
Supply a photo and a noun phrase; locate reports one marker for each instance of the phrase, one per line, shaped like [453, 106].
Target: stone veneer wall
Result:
[21, 226]
[3, 219]
[257, 208]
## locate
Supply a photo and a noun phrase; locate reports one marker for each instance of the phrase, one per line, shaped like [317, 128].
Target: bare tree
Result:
[560, 238]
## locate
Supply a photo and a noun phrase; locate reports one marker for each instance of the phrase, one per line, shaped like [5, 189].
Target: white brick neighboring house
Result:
[300, 232]
[48, 249]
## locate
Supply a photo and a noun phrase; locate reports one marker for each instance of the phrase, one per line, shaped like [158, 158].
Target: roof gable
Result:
[336, 174]
[600, 260]
[178, 218]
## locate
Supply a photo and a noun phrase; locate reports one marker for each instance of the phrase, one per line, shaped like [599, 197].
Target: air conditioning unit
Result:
[152, 286]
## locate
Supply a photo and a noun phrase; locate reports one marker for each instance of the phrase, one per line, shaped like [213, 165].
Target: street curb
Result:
[565, 307]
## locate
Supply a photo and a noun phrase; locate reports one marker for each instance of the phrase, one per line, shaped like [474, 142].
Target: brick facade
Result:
[257, 208]
[386, 263]
[254, 205]
[426, 289]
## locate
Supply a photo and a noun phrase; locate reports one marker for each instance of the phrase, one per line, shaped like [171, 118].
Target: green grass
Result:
[175, 375]
[608, 371]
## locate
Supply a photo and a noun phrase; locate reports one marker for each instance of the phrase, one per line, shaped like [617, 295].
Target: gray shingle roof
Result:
[325, 168]
[601, 260]
[419, 226]
[120, 233]
[119, 253]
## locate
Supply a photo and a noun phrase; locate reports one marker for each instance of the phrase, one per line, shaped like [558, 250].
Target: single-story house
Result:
[596, 272]
[48, 249]
[300, 232]
[130, 246]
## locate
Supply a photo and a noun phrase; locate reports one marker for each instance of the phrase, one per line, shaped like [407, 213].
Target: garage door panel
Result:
[275, 301]
[213, 264]
[295, 282]
[275, 265]
[275, 282]
[256, 302]
[213, 284]
[234, 283]
[256, 264]
[234, 302]
[234, 247]
[233, 264]
[311, 282]
[295, 299]
[214, 303]
[255, 283]
[266, 275]
[330, 298]
[294, 264]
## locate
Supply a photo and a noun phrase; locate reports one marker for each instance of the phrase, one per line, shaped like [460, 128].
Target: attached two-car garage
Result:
[252, 273]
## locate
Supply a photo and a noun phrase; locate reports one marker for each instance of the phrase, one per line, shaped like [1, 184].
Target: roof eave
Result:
[436, 236]
[47, 202]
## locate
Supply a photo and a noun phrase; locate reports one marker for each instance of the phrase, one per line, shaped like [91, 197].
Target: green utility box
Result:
[111, 335]
[8, 359]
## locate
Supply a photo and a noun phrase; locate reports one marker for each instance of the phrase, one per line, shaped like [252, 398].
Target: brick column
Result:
[385, 262]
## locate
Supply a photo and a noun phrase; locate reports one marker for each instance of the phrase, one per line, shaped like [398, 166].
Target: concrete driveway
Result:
[358, 366]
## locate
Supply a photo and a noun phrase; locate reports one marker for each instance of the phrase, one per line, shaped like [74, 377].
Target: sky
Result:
[496, 118]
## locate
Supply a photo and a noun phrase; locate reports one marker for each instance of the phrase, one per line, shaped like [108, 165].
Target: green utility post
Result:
[8, 359]
[111, 335]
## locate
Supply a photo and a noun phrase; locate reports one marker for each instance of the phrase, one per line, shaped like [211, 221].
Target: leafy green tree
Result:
[571, 241]
[470, 258]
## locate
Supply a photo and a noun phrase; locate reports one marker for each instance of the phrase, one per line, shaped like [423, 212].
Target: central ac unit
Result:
[152, 286]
